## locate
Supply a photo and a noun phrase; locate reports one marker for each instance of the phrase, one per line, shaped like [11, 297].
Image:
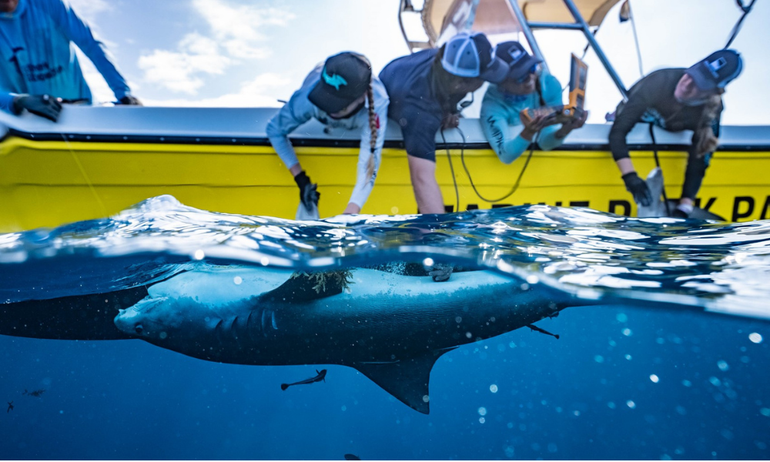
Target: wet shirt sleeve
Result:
[77, 31]
[293, 114]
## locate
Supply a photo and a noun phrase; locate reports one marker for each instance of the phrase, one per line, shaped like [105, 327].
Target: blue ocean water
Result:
[670, 361]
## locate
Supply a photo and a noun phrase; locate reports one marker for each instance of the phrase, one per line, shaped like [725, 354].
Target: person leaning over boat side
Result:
[39, 67]
[424, 89]
[525, 86]
[677, 99]
[342, 93]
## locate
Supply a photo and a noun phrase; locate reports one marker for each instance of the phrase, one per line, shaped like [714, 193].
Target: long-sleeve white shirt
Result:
[299, 110]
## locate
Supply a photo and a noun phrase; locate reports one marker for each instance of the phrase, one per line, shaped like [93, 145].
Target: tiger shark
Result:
[390, 327]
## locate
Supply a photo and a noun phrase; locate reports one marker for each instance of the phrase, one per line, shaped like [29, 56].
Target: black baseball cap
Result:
[469, 54]
[716, 71]
[345, 77]
[519, 61]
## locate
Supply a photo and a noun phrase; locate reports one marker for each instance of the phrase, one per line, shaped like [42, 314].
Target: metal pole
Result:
[527, 32]
[597, 49]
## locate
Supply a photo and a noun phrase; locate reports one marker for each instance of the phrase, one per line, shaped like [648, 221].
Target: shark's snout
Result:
[127, 321]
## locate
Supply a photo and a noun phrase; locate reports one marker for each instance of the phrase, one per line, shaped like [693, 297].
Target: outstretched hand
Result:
[41, 105]
[572, 124]
[130, 100]
[450, 121]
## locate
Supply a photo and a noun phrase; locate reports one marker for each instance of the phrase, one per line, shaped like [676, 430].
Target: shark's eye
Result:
[139, 329]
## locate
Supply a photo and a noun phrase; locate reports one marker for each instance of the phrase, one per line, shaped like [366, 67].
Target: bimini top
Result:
[497, 17]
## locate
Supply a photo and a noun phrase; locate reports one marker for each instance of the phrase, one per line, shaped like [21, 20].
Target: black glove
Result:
[638, 188]
[42, 105]
[308, 193]
[129, 100]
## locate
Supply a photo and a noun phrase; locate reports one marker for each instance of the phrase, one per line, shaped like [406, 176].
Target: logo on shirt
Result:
[334, 80]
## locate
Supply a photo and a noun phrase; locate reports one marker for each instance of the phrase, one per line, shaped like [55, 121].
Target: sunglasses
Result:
[525, 77]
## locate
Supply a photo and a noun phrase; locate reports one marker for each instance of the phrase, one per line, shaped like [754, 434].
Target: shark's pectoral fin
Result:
[407, 380]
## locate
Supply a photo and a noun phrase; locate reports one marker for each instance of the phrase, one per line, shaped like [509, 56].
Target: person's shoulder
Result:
[550, 85]
[661, 76]
[396, 72]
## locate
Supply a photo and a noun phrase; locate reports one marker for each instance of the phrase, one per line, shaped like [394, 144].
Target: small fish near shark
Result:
[390, 327]
[321, 377]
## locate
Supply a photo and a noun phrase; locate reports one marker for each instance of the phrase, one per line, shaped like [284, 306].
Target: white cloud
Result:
[88, 9]
[234, 37]
[254, 93]
[237, 27]
[178, 70]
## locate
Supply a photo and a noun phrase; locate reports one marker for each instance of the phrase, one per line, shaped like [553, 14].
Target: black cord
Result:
[452, 169]
[518, 180]
[657, 164]
[746, 10]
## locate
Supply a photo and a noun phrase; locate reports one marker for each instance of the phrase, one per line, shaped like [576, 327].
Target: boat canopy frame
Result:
[526, 26]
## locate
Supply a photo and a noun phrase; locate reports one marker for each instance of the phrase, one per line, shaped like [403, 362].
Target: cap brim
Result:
[523, 68]
[496, 72]
[702, 78]
[327, 101]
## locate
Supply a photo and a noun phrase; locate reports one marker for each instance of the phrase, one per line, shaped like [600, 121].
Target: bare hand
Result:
[450, 121]
[572, 124]
[533, 126]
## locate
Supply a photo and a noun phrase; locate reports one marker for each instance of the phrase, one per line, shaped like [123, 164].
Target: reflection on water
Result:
[577, 251]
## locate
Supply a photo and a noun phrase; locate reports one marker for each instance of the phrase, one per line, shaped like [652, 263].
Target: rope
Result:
[746, 10]
[518, 180]
[85, 177]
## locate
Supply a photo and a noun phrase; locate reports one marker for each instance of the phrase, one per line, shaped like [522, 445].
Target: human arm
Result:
[293, 114]
[420, 142]
[79, 33]
[508, 141]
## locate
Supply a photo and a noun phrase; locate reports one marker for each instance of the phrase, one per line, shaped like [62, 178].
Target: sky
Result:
[249, 53]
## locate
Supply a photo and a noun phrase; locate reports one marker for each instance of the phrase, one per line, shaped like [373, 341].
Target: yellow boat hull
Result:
[49, 183]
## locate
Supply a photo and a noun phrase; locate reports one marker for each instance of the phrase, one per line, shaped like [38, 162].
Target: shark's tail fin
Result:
[284, 386]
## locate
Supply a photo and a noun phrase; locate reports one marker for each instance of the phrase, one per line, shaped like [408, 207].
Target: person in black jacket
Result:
[677, 99]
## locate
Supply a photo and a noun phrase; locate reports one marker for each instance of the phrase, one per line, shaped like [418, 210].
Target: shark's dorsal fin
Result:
[407, 380]
[303, 287]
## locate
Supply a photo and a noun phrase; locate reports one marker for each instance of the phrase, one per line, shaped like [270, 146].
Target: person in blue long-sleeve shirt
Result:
[525, 87]
[38, 65]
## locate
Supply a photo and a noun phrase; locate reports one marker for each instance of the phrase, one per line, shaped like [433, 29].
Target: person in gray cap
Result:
[343, 94]
[425, 89]
[526, 87]
[676, 100]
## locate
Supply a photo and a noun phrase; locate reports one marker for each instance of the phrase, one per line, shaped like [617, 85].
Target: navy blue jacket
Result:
[414, 102]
